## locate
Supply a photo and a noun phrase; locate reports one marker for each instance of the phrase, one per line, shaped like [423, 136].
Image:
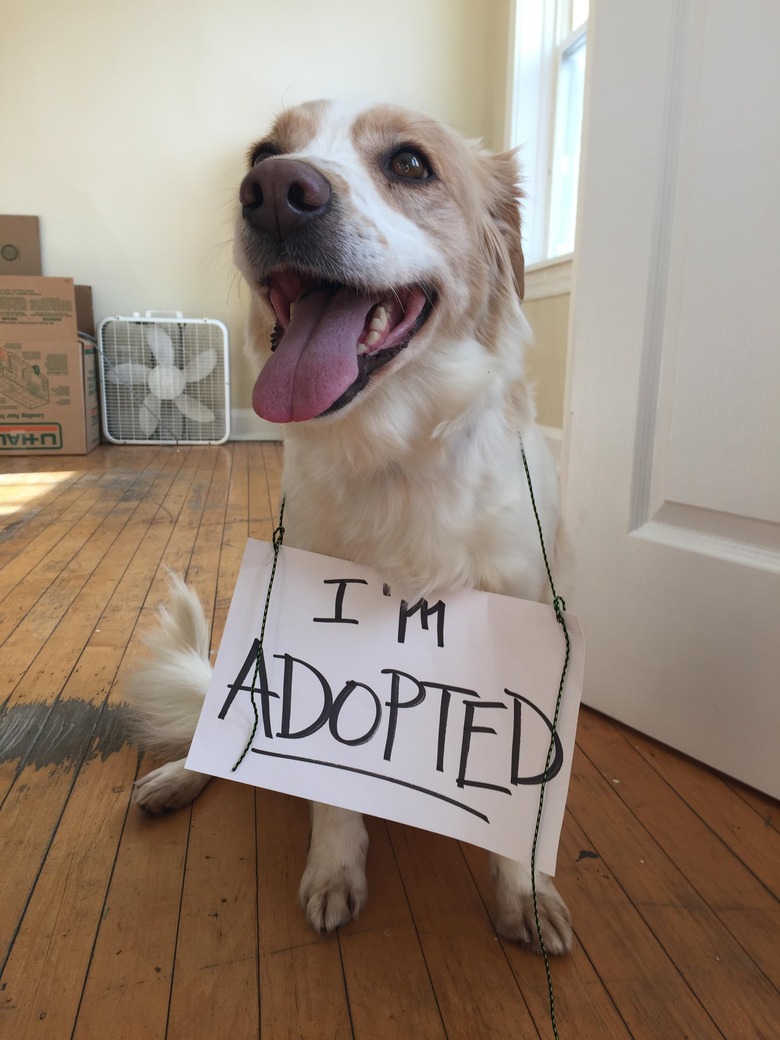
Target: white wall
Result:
[124, 124]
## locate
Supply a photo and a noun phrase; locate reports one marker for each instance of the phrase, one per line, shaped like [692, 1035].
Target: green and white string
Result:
[276, 540]
[559, 606]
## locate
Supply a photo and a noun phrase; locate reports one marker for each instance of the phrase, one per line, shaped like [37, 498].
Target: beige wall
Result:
[549, 318]
[123, 125]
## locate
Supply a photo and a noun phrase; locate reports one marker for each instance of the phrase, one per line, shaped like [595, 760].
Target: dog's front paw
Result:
[333, 887]
[332, 899]
[167, 788]
[515, 918]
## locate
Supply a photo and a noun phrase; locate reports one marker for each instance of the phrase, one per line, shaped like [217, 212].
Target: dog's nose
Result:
[278, 195]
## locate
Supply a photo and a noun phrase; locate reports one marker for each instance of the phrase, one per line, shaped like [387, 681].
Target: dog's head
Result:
[375, 241]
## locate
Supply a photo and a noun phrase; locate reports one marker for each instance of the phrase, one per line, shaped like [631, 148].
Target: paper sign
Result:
[437, 714]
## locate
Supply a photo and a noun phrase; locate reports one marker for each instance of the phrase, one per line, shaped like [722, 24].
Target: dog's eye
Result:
[410, 164]
[263, 152]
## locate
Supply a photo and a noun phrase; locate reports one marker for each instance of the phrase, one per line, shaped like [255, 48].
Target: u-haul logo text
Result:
[30, 436]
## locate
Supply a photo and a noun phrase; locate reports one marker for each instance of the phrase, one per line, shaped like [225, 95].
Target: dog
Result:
[383, 256]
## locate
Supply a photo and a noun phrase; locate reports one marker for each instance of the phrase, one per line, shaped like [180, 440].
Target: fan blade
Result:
[193, 409]
[149, 414]
[128, 373]
[202, 365]
[160, 344]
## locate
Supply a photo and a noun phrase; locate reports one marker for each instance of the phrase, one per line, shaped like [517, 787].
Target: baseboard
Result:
[554, 438]
[246, 426]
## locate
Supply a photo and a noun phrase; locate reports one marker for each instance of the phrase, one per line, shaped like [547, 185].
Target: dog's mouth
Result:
[328, 341]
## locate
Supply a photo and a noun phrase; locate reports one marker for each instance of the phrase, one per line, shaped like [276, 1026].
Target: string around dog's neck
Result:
[276, 540]
[559, 606]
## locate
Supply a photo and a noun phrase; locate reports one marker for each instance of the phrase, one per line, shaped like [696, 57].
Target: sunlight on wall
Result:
[549, 318]
[129, 123]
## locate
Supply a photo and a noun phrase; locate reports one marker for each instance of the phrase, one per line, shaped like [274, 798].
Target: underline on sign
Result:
[376, 776]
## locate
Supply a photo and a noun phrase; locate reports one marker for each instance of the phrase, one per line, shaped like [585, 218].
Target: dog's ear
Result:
[506, 197]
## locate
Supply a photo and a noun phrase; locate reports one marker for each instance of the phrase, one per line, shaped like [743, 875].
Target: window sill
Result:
[548, 278]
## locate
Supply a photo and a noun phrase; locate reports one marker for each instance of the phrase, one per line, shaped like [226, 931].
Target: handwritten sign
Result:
[436, 714]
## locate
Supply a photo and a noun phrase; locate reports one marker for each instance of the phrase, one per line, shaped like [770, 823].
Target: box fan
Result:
[164, 379]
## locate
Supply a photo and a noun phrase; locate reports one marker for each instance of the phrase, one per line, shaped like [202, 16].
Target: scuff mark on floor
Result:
[60, 734]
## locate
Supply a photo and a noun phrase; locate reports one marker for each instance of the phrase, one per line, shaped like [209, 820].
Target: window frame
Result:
[540, 39]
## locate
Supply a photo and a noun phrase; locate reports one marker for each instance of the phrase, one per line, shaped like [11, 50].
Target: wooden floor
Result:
[113, 925]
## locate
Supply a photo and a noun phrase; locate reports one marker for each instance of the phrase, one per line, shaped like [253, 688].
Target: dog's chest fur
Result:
[456, 519]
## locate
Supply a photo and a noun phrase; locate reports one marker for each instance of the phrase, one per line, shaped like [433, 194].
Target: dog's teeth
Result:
[373, 337]
[380, 319]
[362, 348]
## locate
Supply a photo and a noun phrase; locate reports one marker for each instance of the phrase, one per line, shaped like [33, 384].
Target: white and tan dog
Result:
[383, 256]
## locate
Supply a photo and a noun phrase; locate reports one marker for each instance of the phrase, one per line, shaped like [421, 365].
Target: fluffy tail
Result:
[166, 691]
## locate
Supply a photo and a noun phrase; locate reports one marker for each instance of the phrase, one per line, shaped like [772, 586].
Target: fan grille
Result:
[179, 404]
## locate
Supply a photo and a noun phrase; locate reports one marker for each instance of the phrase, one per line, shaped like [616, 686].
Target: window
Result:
[546, 118]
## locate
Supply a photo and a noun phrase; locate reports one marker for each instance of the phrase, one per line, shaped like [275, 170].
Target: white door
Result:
[672, 444]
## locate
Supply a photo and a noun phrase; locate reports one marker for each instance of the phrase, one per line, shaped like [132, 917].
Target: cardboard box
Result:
[20, 245]
[85, 319]
[48, 375]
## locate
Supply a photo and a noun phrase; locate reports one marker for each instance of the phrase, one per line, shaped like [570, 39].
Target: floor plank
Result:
[766, 807]
[714, 966]
[45, 972]
[738, 898]
[127, 989]
[215, 989]
[745, 833]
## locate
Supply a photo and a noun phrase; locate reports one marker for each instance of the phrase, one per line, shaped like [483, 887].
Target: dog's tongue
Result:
[316, 360]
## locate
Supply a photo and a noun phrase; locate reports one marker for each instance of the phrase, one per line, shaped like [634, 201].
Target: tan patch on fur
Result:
[469, 189]
[293, 129]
